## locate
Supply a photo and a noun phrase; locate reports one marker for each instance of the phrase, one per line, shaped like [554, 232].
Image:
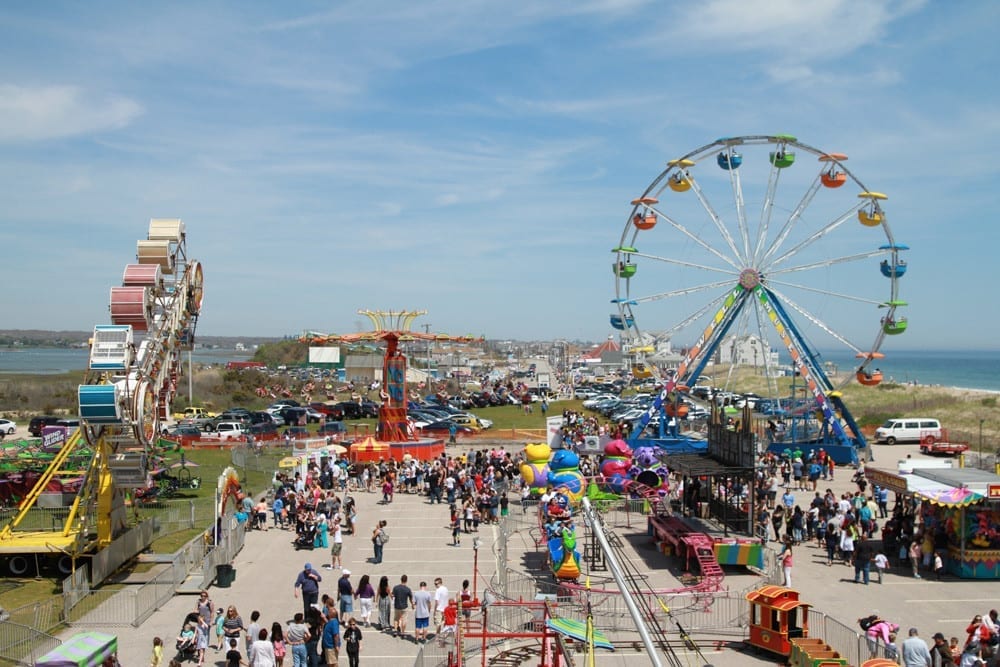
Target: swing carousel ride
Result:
[391, 327]
[740, 266]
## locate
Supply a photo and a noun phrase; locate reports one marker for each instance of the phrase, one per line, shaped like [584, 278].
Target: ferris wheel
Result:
[758, 251]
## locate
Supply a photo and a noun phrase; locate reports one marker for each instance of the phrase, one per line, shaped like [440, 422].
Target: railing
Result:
[22, 644]
[133, 605]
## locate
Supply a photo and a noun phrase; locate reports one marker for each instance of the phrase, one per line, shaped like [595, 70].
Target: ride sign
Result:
[395, 380]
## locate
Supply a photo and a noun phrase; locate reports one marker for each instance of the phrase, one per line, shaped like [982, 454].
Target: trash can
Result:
[225, 574]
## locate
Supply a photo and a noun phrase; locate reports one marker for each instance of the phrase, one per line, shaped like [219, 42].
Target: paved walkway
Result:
[266, 568]
[420, 547]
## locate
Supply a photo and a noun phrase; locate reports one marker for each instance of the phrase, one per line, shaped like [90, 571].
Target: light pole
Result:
[981, 441]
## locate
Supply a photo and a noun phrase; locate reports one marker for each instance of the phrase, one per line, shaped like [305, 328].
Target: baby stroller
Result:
[187, 648]
[306, 538]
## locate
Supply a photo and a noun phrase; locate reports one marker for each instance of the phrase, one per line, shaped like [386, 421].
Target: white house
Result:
[746, 351]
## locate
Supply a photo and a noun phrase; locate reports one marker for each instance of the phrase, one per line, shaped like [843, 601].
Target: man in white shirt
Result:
[441, 597]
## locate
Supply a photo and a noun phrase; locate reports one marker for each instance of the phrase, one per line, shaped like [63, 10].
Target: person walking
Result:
[352, 642]
[941, 653]
[379, 537]
[863, 556]
[785, 558]
[383, 600]
[422, 602]
[345, 593]
[914, 651]
[914, 553]
[441, 599]
[296, 637]
[262, 651]
[366, 596]
[337, 544]
[308, 583]
[402, 600]
[331, 639]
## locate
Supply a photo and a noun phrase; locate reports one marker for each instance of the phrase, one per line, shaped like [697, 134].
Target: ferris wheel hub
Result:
[749, 278]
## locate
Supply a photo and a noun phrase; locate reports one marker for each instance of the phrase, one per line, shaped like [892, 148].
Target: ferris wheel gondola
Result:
[743, 251]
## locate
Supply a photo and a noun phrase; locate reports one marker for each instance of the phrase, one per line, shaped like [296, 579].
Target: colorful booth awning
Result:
[951, 497]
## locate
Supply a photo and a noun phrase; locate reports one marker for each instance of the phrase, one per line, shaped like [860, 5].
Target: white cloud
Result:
[48, 112]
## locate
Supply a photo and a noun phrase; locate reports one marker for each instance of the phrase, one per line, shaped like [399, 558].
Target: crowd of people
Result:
[792, 508]
[318, 509]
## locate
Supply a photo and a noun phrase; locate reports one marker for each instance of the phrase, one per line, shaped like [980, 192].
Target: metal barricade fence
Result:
[23, 645]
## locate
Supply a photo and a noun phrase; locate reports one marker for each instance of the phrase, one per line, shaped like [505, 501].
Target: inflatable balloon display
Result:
[615, 465]
[535, 469]
[564, 473]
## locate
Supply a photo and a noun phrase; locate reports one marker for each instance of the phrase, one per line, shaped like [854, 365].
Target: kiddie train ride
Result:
[392, 328]
[131, 380]
[745, 260]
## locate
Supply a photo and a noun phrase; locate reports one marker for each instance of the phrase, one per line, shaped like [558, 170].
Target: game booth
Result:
[960, 506]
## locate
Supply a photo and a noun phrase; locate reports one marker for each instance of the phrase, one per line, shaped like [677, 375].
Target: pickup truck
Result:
[930, 446]
[225, 431]
[193, 413]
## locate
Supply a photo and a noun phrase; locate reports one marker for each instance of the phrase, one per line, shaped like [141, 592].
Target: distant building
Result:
[363, 368]
[746, 351]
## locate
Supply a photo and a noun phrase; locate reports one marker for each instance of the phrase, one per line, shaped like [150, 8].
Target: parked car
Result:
[261, 417]
[36, 424]
[333, 430]
[183, 434]
[264, 431]
[193, 412]
[296, 433]
[351, 410]
[314, 416]
[7, 427]
[228, 430]
[294, 416]
[443, 427]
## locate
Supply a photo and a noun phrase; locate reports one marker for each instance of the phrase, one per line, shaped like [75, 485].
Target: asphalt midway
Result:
[420, 547]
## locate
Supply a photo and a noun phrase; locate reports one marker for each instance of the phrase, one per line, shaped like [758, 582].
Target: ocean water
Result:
[48, 361]
[950, 368]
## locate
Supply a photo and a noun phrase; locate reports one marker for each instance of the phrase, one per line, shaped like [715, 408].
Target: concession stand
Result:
[961, 508]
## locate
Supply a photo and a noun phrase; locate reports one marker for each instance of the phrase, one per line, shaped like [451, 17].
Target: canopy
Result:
[88, 649]
[578, 631]
[951, 497]
[289, 462]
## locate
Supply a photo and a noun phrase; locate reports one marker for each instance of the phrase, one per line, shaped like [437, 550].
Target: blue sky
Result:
[473, 159]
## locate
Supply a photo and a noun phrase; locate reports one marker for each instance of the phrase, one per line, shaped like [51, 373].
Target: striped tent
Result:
[88, 649]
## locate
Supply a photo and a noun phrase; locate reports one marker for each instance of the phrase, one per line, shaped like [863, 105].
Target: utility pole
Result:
[427, 355]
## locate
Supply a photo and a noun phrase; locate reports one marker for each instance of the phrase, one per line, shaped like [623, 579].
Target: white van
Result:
[908, 429]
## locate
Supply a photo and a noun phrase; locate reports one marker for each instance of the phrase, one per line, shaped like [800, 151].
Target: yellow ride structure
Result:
[131, 380]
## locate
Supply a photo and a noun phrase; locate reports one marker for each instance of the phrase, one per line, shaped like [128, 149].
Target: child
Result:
[450, 622]
[956, 650]
[456, 529]
[881, 565]
[157, 658]
[220, 618]
[466, 598]
[233, 656]
[938, 565]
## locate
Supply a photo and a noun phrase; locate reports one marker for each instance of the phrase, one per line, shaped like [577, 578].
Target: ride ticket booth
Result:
[776, 617]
